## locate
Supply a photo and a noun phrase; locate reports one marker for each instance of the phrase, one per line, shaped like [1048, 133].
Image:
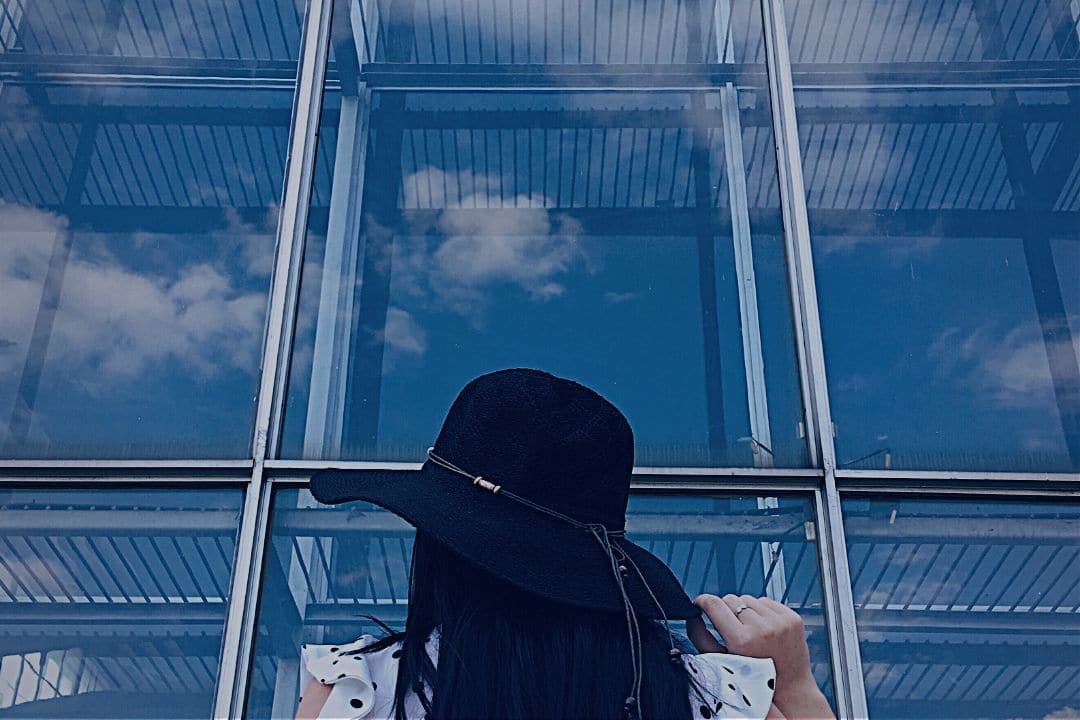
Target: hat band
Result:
[616, 557]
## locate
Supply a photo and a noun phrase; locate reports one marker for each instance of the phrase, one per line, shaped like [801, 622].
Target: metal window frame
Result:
[836, 576]
[259, 475]
[231, 691]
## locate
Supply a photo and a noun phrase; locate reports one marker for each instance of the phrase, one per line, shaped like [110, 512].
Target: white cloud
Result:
[615, 298]
[895, 250]
[116, 323]
[403, 334]
[1009, 368]
[530, 247]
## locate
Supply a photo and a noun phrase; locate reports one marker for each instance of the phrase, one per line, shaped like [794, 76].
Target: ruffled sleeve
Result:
[348, 671]
[730, 686]
[362, 684]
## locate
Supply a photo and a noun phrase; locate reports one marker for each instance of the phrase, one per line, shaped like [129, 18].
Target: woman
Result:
[526, 600]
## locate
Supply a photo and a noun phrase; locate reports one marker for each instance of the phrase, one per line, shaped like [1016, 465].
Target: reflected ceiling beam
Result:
[1064, 153]
[486, 76]
[320, 523]
[705, 212]
[105, 644]
[1042, 270]
[98, 68]
[52, 285]
[962, 621]
[610, 222]
[85, 613]
[381, 216]
[1038, 650]
[936, 708]
[394, 614]
[914, 75]
[465, 119]
[599, 118]
[936, 530]
[328, 384]
[115, 522]
[23, 69]
[157, 114]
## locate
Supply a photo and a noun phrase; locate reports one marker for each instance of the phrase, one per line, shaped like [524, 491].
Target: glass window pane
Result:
[326, 567]
[967, 608]
[138, 207]
[617, 227]
[113, 600]
[940, 155]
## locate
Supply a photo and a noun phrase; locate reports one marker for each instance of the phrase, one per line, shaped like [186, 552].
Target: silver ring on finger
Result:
[740, 608]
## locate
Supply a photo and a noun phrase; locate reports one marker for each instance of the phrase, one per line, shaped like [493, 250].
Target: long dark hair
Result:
[508, 654]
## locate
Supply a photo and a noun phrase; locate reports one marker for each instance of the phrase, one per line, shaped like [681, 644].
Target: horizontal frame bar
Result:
[957, 475]
[242, 466]
[311, 465]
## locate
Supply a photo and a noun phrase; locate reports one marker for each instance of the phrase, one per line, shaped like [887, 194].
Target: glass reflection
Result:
[137, 219]
[113, 601]
[329, 569]
[943, 185]
[966, 609]
[627, 239]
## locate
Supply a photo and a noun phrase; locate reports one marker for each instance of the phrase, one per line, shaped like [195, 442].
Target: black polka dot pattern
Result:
[737, 686]
[722, 685]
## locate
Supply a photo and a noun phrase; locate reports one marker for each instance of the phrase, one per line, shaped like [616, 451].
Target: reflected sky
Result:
[942, 173]
[137, 226]
[588, 235]
[135, 318]
[950, 304]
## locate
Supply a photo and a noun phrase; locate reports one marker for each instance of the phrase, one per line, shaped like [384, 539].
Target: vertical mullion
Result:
[836, 580]
[231, 690]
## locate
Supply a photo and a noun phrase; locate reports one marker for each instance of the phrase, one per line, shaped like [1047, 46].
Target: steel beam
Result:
[231, 690]
[835, 574]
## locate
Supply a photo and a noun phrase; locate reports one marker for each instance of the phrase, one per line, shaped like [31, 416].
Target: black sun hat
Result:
[529, 472]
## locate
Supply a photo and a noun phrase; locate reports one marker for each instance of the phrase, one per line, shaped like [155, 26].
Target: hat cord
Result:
[616, 558]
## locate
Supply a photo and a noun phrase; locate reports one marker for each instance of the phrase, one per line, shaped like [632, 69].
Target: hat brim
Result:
[532, 551]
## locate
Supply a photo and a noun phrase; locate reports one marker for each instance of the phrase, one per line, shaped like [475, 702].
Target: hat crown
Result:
[551, 440]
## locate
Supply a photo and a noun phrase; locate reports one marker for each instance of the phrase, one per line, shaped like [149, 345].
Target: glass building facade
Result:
[824, 254]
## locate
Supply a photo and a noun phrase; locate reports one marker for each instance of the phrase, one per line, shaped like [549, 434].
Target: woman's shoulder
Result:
[723, 685]
[362, 679]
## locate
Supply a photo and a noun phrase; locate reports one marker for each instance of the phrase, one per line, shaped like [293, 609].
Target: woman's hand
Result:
[764, 628]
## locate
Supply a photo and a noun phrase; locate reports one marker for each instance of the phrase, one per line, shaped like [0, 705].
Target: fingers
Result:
[746, 609]
[722, 616]
[774, 606]
[703, 640]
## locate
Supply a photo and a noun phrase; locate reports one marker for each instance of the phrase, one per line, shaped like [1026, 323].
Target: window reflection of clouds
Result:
[943, 229]
[138, 220]
[547, 229]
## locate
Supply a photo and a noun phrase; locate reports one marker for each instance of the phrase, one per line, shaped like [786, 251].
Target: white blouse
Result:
[363, 684]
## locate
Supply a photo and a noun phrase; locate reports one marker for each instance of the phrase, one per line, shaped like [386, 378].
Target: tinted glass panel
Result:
[628, 237]
[940, 154]
[138, 206]
[327, 567]
[967, 609]
[113, 601]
